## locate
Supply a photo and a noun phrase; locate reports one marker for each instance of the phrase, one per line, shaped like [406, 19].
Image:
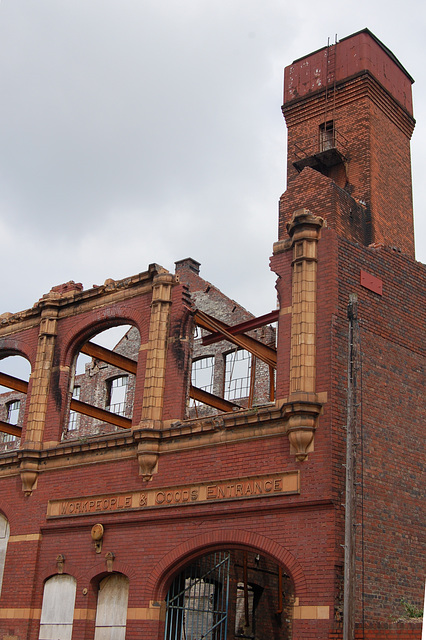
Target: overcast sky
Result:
[140, 131]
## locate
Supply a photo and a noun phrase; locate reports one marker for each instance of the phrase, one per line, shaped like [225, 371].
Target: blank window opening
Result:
[202, 375]
[117, 395]
[13, 409]
[74, 416]
[237, 374]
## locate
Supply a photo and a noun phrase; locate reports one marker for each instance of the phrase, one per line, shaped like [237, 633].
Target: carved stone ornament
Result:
[60, 559]
[300, 437]
[29, 470]
[109, 557]
[97, 534]
[301, 422]
[148, 452]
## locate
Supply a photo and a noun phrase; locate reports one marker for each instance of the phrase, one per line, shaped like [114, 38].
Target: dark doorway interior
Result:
[230, 595]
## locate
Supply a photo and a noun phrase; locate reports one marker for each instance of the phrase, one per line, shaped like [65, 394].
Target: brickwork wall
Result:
[350, 113]
[392, 415]
[391, 185]
[320, 194]
[281, 265]
[370, 202]
[302, 532]
[392, 631]
[267, 525]
[391, 454]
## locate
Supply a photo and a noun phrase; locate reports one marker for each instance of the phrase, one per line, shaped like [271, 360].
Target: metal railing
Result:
[318, 144]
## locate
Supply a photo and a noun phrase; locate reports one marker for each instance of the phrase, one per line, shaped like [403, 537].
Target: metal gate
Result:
[197, 602]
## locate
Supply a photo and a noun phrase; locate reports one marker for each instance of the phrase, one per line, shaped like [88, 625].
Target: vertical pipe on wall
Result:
[350, 499]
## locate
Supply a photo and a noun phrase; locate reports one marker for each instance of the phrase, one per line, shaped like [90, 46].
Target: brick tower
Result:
[352, 317]
[349, 113]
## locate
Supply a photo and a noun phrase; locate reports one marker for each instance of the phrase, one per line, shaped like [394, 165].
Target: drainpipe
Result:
[350, 500]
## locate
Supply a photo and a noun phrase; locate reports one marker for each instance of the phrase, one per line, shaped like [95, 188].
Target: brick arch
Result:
[70, 569]
[181, 555]
[17, 347]
[100, 570]
[2, 513]
[86, 328]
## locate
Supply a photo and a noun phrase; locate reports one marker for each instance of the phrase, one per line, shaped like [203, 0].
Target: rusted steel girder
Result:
[248, 325]
[100, 414]
[110, 357]
[13, 383]
[257, 348]
[210, 399]
[11, 429]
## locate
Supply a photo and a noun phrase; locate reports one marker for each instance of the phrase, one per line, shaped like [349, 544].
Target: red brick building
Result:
[284, 501]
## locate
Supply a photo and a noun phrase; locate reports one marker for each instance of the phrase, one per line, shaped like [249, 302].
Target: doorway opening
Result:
[227, 595]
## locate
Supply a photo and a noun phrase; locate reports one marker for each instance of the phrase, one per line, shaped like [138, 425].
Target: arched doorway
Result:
[230, 594]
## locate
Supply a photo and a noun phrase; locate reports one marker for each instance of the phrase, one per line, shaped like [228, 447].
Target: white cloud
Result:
[143, 131]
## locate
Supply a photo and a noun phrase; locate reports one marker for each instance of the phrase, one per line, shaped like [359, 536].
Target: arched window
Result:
[4, 537]
[14, 375]
[111, 611]
[102, 386]
[57, 613]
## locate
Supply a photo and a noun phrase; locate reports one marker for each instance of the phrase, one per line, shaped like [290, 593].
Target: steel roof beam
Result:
[257, 348]
[110, 357]
[13, 383]
[100, 414]
[211, 400]
[248, 325]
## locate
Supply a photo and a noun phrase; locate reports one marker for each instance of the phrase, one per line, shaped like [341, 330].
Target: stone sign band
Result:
[233, 489]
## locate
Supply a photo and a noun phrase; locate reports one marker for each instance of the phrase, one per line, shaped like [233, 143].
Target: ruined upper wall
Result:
[356, 54]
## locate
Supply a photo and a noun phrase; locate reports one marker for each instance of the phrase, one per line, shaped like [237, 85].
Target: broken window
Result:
[74, 416]
[327, 136]
[117, 393]
[202, 375]
[13, 409]
[14, 377]
[237, 374]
